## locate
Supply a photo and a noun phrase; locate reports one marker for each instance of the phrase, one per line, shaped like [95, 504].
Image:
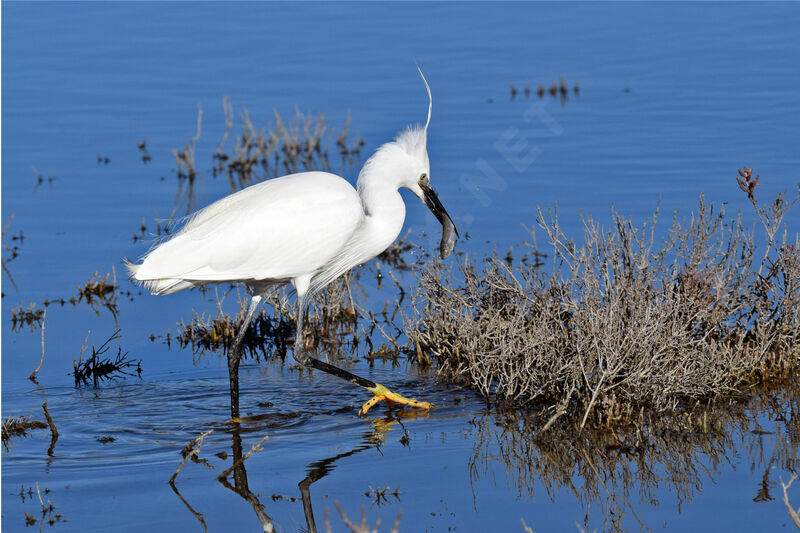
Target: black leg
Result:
[235, 355]
[380, 392]
[300, 355]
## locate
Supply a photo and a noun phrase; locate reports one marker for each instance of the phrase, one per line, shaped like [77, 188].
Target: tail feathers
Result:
[132, 267]
[157, 286]
[167, 285]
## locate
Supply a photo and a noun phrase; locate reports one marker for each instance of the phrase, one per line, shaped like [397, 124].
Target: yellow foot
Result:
[382, 394]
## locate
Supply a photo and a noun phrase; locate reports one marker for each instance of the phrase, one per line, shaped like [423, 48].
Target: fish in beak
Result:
[449, 231]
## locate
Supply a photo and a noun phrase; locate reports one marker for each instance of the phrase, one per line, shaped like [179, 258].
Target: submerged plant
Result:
[96, 369]
[101, 292]
[267, 336]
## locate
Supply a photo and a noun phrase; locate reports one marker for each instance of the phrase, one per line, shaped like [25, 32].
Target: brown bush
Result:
[624, 319]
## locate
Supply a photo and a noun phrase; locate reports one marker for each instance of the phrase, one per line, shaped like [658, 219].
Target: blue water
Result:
[673, 98]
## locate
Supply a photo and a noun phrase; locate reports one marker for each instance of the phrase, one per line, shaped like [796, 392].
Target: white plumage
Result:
[307, 229]
[260, 233]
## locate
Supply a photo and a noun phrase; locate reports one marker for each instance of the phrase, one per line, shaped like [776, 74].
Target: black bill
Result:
[449, 231]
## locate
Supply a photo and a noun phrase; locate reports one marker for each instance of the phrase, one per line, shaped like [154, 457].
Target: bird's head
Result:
[414, 142]
[404, 163]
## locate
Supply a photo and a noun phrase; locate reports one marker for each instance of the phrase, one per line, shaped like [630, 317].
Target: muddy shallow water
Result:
[671, 101]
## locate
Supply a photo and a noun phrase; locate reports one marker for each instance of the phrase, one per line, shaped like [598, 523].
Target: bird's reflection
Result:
[241, 487]
[373, 438]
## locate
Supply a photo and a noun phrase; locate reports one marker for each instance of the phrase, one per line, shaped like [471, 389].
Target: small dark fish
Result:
[449, 237]
[449, 231]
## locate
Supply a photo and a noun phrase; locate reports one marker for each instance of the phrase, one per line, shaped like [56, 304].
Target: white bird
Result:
[307, 229]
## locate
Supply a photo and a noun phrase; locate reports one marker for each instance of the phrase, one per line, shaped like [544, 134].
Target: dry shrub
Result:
[623, 320]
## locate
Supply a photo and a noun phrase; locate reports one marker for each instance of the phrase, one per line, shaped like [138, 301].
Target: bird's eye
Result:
[423, 177]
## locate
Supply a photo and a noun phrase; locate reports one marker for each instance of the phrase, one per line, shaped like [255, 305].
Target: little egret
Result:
[308, 229]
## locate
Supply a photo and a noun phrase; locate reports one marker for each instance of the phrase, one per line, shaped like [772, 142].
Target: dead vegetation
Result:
[142, 146]
[19, 427]
[48, 511]
[332, 326]
[381, 496]
[558, 88]
[299, 144]
[26, 316]
[339, 323]
[32, 377]
[96, 292]
[97, 369]
[190, 452]
[53, 430]
[99, 292]
[622, 321]
[794, 514]
[303, 142]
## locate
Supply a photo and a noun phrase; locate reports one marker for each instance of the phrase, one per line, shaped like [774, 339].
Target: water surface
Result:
[672, 100]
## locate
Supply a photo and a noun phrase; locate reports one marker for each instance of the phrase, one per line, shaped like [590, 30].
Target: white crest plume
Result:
[430, 99]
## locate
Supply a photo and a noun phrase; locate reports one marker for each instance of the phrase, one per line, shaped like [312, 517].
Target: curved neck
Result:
[384, 214]
[384, 208]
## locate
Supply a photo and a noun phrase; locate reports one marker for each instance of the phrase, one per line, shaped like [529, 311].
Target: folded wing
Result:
[276, 230]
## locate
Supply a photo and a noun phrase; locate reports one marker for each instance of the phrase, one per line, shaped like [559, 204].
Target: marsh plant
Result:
[300, 143]
[95, 368]
[19, 426]
[623, 320]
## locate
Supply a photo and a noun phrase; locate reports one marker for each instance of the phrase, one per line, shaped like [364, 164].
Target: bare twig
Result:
[560, 411]
[53, 430]
[32, 377]
[256, 448]
[795, 514]
[39, 494]
[194, 446]
[361, 527]
[525, 526]
[83, 346]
